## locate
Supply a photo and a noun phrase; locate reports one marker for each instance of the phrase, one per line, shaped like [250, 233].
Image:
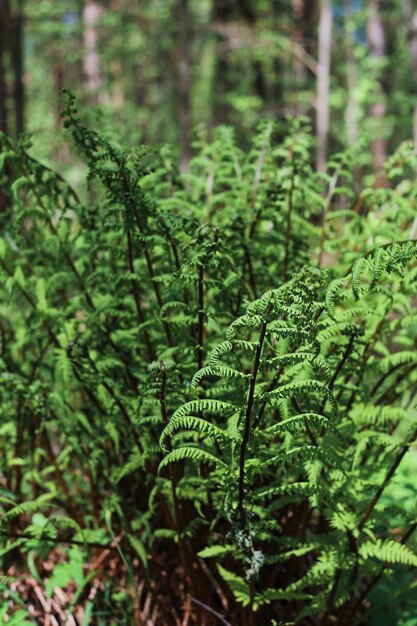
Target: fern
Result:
[182, 378]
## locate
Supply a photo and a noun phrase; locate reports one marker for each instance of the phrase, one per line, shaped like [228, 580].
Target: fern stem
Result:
[124, 412]
[386, 481]
[58, 540]
[396, 383]
[288, 222]
[78, 276]
[135, 292]
[148, 260]
[248, 415]
[162, 393]
[51, 333]
[352, 608]
[326, 208]
[340, 366]
[383, 378]
[201, 315]
[271, 386]
[330, 600]
[252, 281]
[62, 483]
[219, 616]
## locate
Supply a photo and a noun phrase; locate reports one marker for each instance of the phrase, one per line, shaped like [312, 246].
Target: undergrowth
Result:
[208, 384]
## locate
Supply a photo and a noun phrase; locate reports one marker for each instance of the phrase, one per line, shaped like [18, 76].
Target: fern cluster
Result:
[215, 370]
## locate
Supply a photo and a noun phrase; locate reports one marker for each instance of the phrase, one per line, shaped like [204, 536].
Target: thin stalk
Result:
[135, 293]
[58, 540]
[55, 340]
[327, 204]
[288, 223]
[162, 393]
[78, 277]
[347, 618]
[386, 481]
[248, 416]
[62, 483]
[252, 282]
[201, 316]
[340, 366]
[219, 616]
[148, 260]
[174, 478]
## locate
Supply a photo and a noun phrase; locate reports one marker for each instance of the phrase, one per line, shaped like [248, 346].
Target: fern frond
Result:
[388, 551]
[301, 421]
[196, 454]
[300, 388]
[192, 423]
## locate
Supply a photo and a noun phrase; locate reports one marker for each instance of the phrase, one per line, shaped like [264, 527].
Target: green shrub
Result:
[213, 377]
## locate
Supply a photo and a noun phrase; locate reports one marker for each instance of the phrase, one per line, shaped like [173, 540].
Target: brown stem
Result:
[288, 223]
[248, 415]
[135, 293]
[386, 481]
[201, 315]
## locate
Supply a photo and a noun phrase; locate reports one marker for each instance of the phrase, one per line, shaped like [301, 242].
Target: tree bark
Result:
[11, 48]
[323, 83]
[259, 84]
[92, 70]
[299, 68]
[376, 43]
[184, 83]
[410, 12]
[221, 13]
[352, 111]
[3, 85]
[16, 53]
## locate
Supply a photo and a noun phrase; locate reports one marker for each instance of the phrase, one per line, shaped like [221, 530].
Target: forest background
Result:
[154, 70]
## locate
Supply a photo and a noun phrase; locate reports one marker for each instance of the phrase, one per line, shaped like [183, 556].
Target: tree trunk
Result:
[411, 20]
[299, 70]
[323, 83]
[376, 42]
[11, 48]
[92, 70]
[352, 112]
[16, 53]
[259, 84]
[184, 83]
[3, 85]
[221, 13]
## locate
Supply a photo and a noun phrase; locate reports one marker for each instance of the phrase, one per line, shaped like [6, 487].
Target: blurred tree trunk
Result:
[299, 70]
[376, 43]
[3, 85]
[410, 11]
[16, 52]
[4, 199]
[11, 47]
[184, 83]
[323, 83]
[277, 89]
[11, 76]
[246, 10]
[352, 111]
[92, 71]
[221, 14]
